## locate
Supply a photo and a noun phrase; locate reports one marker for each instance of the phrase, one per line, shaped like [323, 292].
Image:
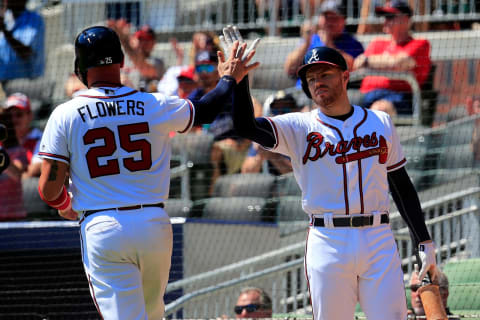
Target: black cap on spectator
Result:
[334, 6]
[395, 7]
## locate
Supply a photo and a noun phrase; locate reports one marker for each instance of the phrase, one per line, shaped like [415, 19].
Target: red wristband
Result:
[61, 203]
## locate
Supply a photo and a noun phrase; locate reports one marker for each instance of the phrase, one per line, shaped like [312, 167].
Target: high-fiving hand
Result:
[238, 56]
[232, 34]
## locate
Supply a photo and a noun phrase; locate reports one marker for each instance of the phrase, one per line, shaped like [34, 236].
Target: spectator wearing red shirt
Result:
[18, 106]
[399, 52]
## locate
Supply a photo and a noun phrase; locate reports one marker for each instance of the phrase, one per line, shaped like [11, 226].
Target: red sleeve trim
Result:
[53, 156]
[191, 117]
[397, 165]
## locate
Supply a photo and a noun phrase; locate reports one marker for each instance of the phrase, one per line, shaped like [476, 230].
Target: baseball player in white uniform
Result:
[113, 143]
[345, 159]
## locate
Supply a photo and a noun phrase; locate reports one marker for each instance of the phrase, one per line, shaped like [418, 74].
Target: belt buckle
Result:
[357, 221]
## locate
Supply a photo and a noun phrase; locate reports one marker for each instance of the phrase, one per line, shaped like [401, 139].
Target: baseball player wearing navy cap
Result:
[345, 159]
[114, 143]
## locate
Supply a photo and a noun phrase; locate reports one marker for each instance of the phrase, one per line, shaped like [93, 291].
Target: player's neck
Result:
[337, 108]
[107, 76]
[102, 83]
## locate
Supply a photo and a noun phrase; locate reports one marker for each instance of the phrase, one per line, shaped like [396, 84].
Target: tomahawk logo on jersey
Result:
[355, 152]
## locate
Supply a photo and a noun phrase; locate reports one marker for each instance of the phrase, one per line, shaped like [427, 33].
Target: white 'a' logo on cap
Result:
[314, 56]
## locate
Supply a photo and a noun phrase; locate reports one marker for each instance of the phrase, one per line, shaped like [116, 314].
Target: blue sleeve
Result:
[211, 104]
[244, 121]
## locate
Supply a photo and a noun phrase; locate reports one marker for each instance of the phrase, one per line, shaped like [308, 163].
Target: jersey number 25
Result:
[108, 149]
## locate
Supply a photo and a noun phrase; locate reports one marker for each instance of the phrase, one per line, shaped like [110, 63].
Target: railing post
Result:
[472, 232]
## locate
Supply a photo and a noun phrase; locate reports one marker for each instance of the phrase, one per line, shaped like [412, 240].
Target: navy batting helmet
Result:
[319, 55]
[94, 47]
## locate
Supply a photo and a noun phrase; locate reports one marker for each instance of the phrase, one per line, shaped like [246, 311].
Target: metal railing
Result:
[188, 16]
[456, 231]
[416, 117]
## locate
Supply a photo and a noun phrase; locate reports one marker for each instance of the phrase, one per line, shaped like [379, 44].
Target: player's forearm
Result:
[52, 178]
[396, 63]
[212, 103]
[282, 164]
[408, 204]
[244, 121]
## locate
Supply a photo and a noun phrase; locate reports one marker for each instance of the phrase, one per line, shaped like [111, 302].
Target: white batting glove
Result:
[232, 34]
[426, 251]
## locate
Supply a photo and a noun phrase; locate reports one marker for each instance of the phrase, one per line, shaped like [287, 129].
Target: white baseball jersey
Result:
[340, 166]
[116, 141]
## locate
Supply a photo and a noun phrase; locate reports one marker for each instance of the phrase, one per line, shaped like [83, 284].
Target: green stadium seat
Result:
[463, 271]
[464, 296]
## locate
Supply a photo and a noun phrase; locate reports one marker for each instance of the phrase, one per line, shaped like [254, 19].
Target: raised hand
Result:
[232, 34]
[238, 57]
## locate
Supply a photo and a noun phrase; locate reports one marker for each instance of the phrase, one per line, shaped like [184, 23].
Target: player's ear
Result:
[346, 76]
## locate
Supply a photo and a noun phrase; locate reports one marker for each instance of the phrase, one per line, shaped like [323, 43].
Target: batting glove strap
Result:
[61, 203]
[426, 251]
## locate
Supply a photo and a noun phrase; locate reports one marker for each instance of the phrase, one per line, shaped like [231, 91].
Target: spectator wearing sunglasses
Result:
[253, 303]
[417, 306]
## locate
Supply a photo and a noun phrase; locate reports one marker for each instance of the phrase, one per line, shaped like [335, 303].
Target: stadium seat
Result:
[178, 207]
[289, 208]
[195, 149]
[463, 271]
[240, 209]
[286, 185]
[456, 156]
[39, 91]
[458, 133]
[244, 185]
[35, 207]
[429, 98]
[464, 296]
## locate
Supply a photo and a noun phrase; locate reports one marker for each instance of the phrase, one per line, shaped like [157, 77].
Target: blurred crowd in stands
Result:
[22, 56]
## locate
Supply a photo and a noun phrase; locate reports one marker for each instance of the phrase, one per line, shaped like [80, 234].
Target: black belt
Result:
[353, 221]
[138, 206]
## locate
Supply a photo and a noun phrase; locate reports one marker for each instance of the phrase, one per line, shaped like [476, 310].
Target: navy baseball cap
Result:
[320, 55]
[395, 7]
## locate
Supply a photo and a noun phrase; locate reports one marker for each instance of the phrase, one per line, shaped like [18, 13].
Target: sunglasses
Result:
[415, 287]
[204, 68]
[249, 307]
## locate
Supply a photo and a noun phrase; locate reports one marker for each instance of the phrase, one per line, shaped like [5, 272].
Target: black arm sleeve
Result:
[408, 204]
[212, 103]
[244, 122]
